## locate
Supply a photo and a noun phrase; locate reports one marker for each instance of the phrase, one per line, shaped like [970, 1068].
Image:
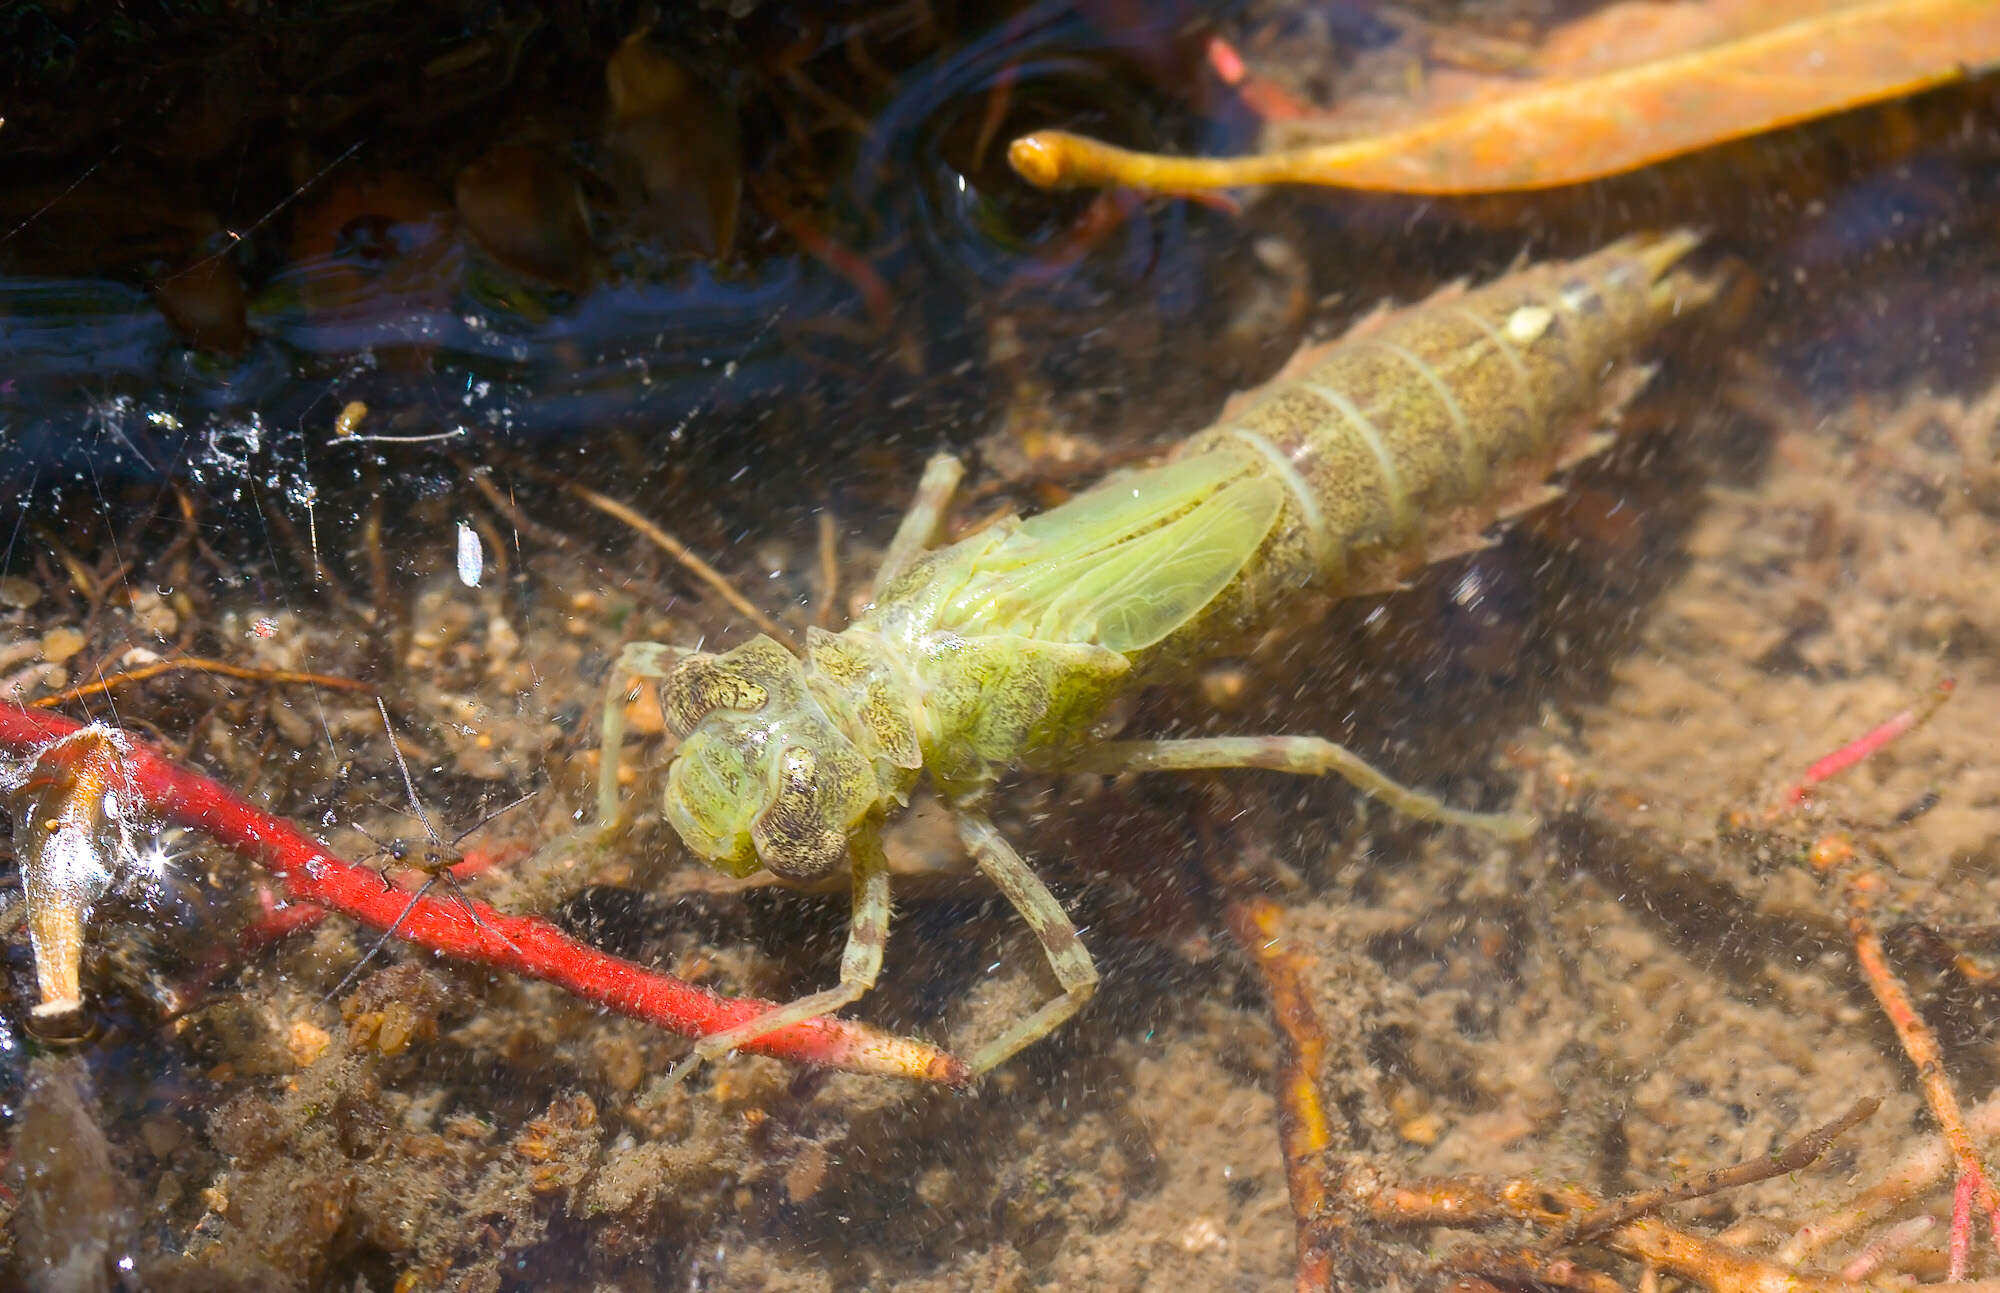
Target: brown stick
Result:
[1716, 1267]
[1863, 889]
[829, 570]
[1918, 1170]
[1799, 1154]
[199, 664]
[1303, 1131]
[685, 555]
[507, 508]
[1533, 1269]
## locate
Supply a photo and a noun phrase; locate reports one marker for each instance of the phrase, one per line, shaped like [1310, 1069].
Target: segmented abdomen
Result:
[1404, 441]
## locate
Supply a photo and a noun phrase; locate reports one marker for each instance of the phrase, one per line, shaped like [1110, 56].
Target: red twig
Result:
[836, 256]
[1262, 97]
[1975, 1186]
[1868, 743]
[1106, 212]
[1960, 1259]
[523, 944]
[275, 922]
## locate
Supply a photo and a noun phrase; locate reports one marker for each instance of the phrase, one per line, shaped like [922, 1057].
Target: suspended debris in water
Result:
[350, 418]
[471, 559]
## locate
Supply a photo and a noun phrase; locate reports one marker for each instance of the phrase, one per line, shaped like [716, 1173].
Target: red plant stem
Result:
[1106, 212]
[1960, 1250]
[1921, 1045]
[276, 922]
[1868, 744]
[523, 944]
[836, 256]
[1262, 97]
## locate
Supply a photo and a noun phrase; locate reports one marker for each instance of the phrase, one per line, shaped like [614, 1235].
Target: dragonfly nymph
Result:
[1402, 443]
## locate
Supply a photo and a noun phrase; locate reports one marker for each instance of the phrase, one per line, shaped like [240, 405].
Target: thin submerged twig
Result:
[1305, 1133]
[1917, 1171]
[509, 510]
[1869, 743]
[684, 556]
[199, 664]
[1864, 888]
[716, 581]
[1303, 1130]
[1463, 1202]
[1799, 1154]
[828, 591]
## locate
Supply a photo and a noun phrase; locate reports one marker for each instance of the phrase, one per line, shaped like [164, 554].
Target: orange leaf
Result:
[1602, 122]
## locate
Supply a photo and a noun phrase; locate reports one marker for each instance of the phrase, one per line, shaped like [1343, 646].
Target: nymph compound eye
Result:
[701, 684]
[796, 836]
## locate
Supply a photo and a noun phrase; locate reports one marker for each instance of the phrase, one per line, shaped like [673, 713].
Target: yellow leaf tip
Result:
[1038, 158]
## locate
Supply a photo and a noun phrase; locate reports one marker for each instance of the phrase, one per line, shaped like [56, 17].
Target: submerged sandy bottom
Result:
[1649, 988]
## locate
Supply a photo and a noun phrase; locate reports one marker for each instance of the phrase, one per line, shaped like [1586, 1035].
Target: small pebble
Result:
[807, 1173]
[350, 419]
[502, 642]
[1424, 1129]
[306, 1041]
[1224, 686]
[162, 1136]
[399, 1024]
[60, 644]
[151, 613]
[1202, 1235]
[18, 593]
[643, 716]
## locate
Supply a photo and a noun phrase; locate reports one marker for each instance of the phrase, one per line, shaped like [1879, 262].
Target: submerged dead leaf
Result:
[1630, 86]
[680, 145]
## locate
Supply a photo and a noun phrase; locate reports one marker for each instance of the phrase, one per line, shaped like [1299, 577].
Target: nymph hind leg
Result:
[920, 524]
[644, 660]
[1075, 971]
[867, 936]
[1305, 755]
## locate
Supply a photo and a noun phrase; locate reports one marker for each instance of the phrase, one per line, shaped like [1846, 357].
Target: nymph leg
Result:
[645, 660]
[1045, 916]
[1305, 755]
[867, 935]
[920, 524]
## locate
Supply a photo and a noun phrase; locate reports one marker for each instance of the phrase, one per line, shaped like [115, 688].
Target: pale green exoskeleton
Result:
[1403, 442]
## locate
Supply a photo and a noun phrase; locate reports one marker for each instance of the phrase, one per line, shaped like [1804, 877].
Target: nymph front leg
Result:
[920, 524]
[867, 936]
[1305, 755]
[1045, 916]
[640, 659]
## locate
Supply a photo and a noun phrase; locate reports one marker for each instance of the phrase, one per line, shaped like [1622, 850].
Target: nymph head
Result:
[762, 777]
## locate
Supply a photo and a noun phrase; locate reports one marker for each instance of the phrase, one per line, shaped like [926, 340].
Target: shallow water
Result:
[448, 221]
